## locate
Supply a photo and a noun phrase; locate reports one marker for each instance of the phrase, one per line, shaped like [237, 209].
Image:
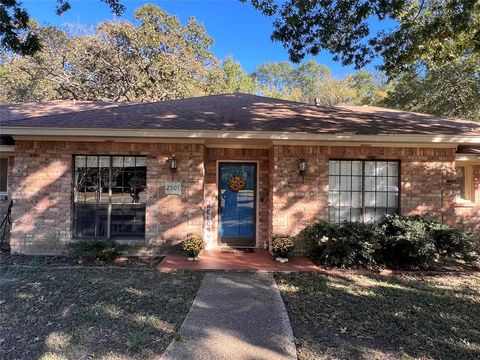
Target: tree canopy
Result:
[230, 77]
[16, 32]
[154, 58]
[313, 83]
[415, 29]
[448, 89]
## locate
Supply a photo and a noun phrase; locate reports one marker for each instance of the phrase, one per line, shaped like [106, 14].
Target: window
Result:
[465, 183]
[363, 190]
[109, 197]
[3, 175]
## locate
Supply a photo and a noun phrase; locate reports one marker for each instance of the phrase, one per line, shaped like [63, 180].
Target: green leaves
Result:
[312, 83]
[415, 29]
[155, 58]
[446, 88]
[16, 31]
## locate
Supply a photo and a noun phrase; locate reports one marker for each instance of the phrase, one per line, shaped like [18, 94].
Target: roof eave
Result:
[240, 135]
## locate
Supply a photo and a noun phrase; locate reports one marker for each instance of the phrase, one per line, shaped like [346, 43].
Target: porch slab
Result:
[259, 260]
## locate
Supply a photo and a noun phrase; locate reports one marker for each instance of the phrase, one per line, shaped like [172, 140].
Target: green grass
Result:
[80, 313]
[373, 317]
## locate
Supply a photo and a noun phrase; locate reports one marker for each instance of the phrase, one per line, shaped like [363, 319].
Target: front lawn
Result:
[373, 317]
[81, 313]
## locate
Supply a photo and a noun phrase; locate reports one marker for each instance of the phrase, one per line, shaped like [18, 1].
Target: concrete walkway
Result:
[235, 316]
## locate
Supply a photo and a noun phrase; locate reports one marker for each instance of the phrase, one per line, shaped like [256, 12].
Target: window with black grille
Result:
[362, 190]
[109, 196]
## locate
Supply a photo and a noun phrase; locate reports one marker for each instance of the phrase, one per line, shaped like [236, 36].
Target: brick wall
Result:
[262, 156]
[427, 182]
[41, 185]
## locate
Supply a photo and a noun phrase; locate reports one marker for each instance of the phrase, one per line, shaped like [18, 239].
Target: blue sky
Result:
[237, 28]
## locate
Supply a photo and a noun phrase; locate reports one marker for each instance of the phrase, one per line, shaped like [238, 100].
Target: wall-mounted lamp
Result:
[173, 164]
[302, 168]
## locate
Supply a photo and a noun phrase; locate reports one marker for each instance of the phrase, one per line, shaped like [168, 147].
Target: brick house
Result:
[236, 168]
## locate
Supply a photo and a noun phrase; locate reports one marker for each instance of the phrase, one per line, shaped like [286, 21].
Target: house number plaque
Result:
[173, 187]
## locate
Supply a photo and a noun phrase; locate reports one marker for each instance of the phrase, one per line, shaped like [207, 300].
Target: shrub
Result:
[398, 241]
[352, 244]
[314, 232]
[407, 243]
[97, 250]
[282, 246]
[193, 245]
[452, 243]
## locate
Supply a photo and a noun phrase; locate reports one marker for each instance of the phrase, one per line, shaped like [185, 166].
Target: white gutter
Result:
[7, 148]
[240, 135]
[467, 157]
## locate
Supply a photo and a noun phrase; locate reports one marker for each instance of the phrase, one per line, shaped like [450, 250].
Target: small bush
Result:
[193, 245]
[282, 246]
[407, 243]
[314, 232]
[97, 250]
[399, 242]
[452, 243]
[350, 244]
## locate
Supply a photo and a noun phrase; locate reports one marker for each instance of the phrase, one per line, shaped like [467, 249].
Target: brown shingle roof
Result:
[234, 112]
[56, 107]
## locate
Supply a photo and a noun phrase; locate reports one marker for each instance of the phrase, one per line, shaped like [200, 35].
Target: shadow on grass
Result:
[365, 317]
[91, 313]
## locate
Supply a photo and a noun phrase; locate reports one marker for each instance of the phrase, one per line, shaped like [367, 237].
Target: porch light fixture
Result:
[173, 164]
[302, 168]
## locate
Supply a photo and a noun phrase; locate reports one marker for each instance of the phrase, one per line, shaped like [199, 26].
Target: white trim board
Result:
[242, 135]
[7, 148]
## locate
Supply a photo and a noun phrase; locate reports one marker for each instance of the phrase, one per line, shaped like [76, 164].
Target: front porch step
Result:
[236, 250]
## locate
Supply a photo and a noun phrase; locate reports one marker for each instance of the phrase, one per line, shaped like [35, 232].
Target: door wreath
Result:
[236, 183]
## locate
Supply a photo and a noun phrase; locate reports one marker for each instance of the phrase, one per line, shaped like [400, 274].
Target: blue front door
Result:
[237, 203]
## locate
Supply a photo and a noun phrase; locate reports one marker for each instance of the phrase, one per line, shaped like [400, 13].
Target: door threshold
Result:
[237, 249]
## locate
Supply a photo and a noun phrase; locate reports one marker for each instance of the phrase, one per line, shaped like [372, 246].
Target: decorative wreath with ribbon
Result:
[236, 183]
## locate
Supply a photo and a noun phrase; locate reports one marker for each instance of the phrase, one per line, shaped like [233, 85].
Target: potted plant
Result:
[193, 245]
[282, 247]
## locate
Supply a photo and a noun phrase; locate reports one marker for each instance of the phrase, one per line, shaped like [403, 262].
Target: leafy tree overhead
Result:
[230, 77]
[155, 58]
[312, 83]
[16, 32]
[371, 88]
[448, 89]
[277, 79]
[344, 28]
